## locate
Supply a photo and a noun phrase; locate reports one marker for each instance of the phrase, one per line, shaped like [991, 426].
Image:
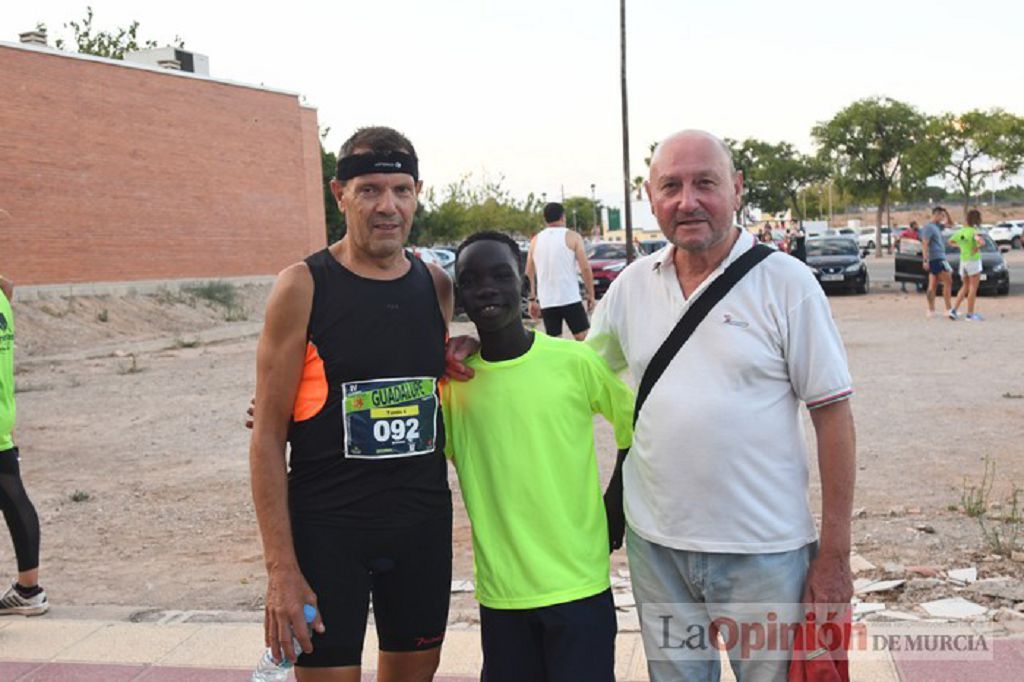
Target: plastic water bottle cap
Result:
[309, 611]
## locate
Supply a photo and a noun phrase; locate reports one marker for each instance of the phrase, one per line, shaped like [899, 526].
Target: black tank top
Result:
[372, 455]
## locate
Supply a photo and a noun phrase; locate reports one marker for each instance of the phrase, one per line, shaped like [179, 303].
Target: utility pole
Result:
[593, 203]
[627, 210]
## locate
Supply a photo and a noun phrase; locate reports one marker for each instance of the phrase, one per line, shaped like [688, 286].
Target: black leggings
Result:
[19, 513]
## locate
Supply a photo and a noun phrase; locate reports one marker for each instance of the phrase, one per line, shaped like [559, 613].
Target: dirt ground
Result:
[137, 459]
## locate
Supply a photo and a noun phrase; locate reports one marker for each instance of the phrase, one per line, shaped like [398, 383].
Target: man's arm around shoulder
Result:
[7, 286]
[279, 359]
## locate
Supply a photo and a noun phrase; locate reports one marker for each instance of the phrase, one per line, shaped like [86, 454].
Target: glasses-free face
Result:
[379, 209]
[489, 284]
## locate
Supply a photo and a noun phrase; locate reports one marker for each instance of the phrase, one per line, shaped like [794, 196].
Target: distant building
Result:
[112, 171]
[645, 225]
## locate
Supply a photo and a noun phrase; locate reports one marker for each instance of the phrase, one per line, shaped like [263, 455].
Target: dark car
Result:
[837, 264]
[995, 278]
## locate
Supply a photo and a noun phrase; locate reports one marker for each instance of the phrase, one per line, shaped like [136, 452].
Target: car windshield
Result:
[649, 246]
[988, 246]
[832, 247]
[606, 251]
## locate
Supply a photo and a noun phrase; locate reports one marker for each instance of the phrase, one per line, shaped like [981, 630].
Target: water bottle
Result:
[269, 670]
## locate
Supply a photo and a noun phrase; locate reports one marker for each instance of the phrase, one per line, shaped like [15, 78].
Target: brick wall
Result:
[111, 173]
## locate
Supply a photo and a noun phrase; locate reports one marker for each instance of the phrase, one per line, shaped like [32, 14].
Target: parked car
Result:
[866, 239]
[995, 278]
[1009, 233]
[607, 260]
[605, 275]
[649, 246]
[837, 264]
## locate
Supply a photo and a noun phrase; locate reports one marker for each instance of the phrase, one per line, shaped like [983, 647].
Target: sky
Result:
[527, 91]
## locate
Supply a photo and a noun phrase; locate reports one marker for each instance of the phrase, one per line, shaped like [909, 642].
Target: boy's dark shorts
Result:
[937, 266]
[407, 570]
[560, 643]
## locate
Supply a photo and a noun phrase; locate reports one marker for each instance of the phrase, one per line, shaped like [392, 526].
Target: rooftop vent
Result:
[190, 62]
[36, 37]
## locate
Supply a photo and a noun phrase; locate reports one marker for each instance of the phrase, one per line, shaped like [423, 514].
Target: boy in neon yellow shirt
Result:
[520, 434]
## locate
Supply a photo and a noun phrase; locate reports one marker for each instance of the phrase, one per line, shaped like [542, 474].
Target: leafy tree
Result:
[111, 44]
[579, 213]
[877, 145]
[776, 174]
[638, 187]
[334, 218]
[978, 147]
[464, 207]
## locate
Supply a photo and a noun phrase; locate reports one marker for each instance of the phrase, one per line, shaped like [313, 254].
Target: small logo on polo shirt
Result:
[728, 319]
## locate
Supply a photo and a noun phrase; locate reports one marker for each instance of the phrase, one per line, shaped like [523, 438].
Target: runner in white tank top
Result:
[551, 265]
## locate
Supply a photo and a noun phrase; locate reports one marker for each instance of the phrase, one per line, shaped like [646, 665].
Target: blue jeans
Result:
[684, 597]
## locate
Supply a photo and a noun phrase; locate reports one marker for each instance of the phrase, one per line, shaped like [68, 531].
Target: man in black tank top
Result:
[347, 369]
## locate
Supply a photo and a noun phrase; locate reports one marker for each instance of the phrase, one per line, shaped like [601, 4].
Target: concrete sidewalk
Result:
[89, 644]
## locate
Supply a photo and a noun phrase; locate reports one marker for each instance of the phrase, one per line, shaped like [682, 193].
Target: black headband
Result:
[377, 162]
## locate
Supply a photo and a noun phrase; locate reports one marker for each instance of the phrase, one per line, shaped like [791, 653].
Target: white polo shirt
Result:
[719, 461]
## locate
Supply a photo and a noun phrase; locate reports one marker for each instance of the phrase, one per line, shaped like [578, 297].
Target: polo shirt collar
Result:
[744, 242]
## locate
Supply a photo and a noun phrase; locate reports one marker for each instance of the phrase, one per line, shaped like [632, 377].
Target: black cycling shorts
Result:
[574, 314]
[408, 572]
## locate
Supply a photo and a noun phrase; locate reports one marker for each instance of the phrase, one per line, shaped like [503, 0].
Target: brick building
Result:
[114, 172]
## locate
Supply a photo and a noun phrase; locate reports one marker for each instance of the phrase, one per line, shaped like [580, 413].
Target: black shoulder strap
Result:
[692, 318]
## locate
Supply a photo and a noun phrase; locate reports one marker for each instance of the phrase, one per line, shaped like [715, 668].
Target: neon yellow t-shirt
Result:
[6, 373]
[521, 436]
[965, 238]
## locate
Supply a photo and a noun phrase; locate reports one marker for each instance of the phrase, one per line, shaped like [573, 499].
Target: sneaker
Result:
[13, 603]
[974, 317]
[953, 314]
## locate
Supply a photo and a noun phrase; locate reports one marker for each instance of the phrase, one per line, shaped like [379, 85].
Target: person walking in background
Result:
[933, 255]
[798, 243]
[555, 254]
[910, 232]
[26, 596]
[969, 242]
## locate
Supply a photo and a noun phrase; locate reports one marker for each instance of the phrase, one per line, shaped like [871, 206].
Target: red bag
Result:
[822, 658]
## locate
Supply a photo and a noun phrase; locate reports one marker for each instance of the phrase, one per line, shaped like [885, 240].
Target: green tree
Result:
[876, 145]
[334, 218]
[776, 174]
[110, 44]
[977, 147]
[638, 187]
[579, 214]
[464, 207]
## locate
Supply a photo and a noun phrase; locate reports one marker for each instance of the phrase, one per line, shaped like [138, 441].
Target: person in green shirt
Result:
[25, 596]
[969, 242]
[520, 435]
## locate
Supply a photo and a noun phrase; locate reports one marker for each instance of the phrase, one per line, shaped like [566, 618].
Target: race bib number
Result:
[388, 418]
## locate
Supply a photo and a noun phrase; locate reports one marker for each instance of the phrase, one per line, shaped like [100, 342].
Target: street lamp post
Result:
[593, 203]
